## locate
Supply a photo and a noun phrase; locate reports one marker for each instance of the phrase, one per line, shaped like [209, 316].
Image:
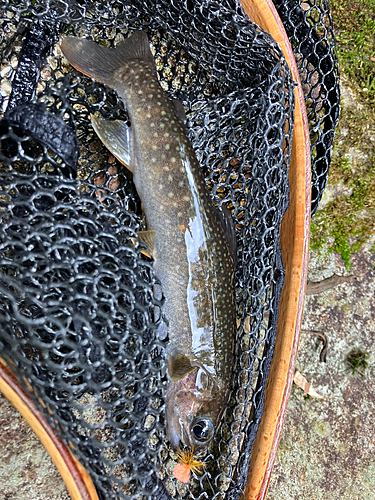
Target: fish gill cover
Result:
[77, 305]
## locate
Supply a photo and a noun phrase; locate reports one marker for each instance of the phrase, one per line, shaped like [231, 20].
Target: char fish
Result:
[192, 243]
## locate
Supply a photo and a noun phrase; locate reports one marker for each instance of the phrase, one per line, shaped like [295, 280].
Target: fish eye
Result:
[202, 430]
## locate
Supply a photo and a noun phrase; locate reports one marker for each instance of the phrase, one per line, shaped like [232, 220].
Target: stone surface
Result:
[327, 448]
[26, 470]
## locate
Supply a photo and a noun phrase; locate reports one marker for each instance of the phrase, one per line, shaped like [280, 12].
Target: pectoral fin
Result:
[115, 135]
[179, 366]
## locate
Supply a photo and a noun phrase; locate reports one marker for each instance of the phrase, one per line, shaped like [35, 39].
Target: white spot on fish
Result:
[159, 104]
[170, 194]
[167, 134]
[150, 96]
[156, 134]
[154, 147]
[140, 92]
[170, 178]
[163, 113]
[173, 159]
[186, 198]
[179, 214]
[161, 186]
[152, 124]
[167, 147]
[148, 115]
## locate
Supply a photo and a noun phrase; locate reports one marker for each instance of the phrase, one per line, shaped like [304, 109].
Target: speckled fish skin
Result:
[191, 252]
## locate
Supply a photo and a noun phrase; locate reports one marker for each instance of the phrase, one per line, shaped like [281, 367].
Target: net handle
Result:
[295, 238]
[74, 475]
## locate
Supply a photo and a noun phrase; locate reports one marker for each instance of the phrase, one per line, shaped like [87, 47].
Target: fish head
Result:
[194, 407]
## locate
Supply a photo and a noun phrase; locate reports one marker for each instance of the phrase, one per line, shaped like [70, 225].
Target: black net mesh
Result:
[309, 27]
[77, 305]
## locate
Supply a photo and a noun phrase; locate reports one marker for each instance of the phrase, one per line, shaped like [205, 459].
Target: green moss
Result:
[348, 221]
[357, 361]
[354, 22]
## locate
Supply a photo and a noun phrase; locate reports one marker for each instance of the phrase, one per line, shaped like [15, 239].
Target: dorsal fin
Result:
[136, 47]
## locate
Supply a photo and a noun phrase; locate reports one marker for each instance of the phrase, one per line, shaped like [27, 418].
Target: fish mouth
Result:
[177, 434]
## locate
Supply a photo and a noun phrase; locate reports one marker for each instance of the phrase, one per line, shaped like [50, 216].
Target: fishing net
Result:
[78, 307]
[308, 25]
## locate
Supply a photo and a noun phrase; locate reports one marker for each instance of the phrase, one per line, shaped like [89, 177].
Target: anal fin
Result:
[115, 135]
[180, 110]
[224, 217]
[148, 238]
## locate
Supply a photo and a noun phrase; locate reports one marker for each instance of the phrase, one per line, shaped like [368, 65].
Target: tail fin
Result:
[100, 62]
